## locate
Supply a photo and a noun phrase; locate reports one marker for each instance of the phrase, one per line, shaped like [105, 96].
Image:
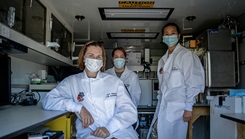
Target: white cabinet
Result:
[149, 89]
[146, 92]
[221, 128]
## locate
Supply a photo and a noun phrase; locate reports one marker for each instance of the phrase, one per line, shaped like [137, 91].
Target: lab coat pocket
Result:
[175, 111]
[110, 103]
[175, 79]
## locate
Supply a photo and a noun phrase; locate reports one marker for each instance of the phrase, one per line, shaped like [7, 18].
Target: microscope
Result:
[146, 63]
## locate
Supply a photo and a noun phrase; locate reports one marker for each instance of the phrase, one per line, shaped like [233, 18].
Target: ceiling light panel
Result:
[135, 13]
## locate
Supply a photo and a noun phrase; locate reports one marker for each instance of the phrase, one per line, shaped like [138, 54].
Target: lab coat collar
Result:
[123, 74]
[83, 75]
[176, 50]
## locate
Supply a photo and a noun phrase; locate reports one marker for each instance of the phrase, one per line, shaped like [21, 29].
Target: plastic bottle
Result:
[11, 16]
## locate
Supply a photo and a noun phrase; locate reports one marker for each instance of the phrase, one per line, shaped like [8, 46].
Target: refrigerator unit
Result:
[219, 60]
[220, 69]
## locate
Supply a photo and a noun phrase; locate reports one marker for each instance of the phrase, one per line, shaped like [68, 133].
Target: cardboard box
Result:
[193, 44]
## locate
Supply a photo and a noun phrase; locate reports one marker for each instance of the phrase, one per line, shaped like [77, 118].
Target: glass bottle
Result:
[11, 16]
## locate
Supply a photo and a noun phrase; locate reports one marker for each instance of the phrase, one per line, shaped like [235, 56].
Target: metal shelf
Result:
[43, 87]
[37, 52]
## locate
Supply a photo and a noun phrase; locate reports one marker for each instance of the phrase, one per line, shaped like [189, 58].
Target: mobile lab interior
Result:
[40, 41]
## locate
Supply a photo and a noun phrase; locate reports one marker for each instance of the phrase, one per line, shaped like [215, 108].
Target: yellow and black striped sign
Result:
[132, 30]
[136, 4]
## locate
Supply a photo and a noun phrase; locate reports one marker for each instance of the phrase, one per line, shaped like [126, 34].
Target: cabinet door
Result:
[34, 20]
[66, 124]
[220, 68]
[58, 124]
[18, 20]
[62, 36]
[146, 92]
[30, 17]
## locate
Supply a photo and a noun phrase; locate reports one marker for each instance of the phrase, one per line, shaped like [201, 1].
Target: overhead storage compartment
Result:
[36, 52]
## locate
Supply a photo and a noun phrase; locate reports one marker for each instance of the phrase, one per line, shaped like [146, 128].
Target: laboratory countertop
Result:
[237, 117]
[15, 120]
[144, 109]
[201, 105]
[153, 106]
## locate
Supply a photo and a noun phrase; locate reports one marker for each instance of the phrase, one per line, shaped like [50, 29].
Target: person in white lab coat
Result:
[181, 78]
[100, 100]
[129, 77]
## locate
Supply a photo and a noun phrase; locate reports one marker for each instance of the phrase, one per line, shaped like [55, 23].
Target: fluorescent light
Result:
[135, 13]
[132, 35]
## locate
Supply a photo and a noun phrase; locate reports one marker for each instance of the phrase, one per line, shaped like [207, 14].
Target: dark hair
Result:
[118, 48]
[84, 50]
[171, 24]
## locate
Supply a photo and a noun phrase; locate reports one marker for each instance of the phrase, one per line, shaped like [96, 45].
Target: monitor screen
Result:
[5, 80]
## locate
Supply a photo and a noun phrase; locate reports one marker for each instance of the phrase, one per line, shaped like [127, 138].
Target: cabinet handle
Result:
[30, 3]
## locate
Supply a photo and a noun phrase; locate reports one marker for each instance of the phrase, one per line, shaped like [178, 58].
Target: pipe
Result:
[237, 56]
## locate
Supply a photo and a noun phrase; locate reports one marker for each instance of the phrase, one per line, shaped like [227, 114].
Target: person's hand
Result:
[87, 118]
[187, 116]
[101, 132]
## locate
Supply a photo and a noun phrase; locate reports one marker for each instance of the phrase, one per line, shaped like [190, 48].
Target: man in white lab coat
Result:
[100, 100]
[181, 78]
[129, 77]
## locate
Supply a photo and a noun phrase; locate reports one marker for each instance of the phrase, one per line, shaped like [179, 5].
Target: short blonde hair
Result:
[83, 50]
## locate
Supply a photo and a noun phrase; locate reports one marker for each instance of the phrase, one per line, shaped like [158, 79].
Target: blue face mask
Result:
[170, 40]
[119, 63]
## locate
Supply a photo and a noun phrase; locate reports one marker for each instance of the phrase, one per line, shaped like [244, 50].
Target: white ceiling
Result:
[209, 13]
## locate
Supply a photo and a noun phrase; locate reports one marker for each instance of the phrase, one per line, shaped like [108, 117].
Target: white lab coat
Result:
[131, 81]
[106, 99]
[181, 78]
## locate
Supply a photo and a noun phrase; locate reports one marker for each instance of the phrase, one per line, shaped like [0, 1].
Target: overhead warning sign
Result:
[136, 4]
[132, 30]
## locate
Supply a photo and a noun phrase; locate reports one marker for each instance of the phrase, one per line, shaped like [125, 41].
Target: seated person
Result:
[100, 100]
[129, 77]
